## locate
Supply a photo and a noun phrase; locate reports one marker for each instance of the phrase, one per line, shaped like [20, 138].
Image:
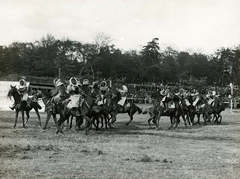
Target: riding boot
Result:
[13, 107]
[165, 108]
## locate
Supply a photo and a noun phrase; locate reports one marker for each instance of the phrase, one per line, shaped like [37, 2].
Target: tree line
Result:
[50, 57]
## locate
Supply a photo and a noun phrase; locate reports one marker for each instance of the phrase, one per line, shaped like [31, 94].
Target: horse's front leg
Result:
[79, 122]
[70, 126]
[16, 117]
[106, 120]
[220, 118]
[173, 121]
[158, 121]
[59, 124]
[188, 119]
[131, 117]
[198, 116]
[178, 121]
[184, 119]
[47, 120]
[149, 122]
[28, 117]
[88, 124]
[39, 118]
[23, 118]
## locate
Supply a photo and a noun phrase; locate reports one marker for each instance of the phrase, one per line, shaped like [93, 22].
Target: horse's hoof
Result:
[13, 127]
[111, 127]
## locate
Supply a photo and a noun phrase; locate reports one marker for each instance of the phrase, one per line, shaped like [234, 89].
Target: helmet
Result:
[85, 82]
[73, 81]
[57, 82]
[22, 81]
[103, 84]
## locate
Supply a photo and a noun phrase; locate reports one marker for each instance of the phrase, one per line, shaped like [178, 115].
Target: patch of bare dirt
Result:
[134, 151]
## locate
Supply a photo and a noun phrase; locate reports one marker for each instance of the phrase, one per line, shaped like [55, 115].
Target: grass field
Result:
[134, 151]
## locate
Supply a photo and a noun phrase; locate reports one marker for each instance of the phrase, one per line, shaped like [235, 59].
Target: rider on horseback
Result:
[58, 93]
[103, 91]
[75, 97]
[23, 91]
[123, 91]
[168, 95]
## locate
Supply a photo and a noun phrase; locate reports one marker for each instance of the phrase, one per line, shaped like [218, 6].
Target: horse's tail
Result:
[139, 110]
[146, 111]
[39, 107]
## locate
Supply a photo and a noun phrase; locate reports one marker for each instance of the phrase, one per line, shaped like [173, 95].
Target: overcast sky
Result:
[200, 25]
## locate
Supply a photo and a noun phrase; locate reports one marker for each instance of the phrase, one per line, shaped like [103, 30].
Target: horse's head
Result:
[157, 96]
[96, 94]
[116, 95]
[37, 94]
[12, 91]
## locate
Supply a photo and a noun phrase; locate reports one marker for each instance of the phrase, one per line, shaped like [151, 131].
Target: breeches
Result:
[25, 97]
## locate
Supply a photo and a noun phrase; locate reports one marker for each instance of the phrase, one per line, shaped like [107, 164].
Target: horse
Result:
[128, 107]
[158, 110]
[153, 111]
[99, 111]
[23, 106]
[180, 109]
[85, 111]
[46, 98]
[204, 108]
[217, 113]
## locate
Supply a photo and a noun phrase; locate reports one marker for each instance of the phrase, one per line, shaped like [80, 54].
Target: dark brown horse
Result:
[205, 109]
[154, 112]
[85, 111]
[23, 106]
[100, 112]
[129, 108]
[159, 110]
[46, 98]
[217, 113]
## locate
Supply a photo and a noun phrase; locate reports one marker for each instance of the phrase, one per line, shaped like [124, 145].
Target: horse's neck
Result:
[45, 97]
[86, 90]
[17, 97]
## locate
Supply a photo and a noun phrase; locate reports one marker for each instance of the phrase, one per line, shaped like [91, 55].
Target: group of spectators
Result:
[142, 93]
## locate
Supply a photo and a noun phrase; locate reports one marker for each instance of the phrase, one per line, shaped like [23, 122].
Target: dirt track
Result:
[134, 151]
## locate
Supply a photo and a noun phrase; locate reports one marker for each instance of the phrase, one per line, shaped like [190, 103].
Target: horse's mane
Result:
[157, 95]
[14, 93]
[11, 90]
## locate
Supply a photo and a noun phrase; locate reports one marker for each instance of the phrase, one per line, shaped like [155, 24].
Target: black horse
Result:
[23, 106]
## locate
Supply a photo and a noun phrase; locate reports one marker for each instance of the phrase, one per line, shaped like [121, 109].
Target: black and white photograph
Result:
[120, 89]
